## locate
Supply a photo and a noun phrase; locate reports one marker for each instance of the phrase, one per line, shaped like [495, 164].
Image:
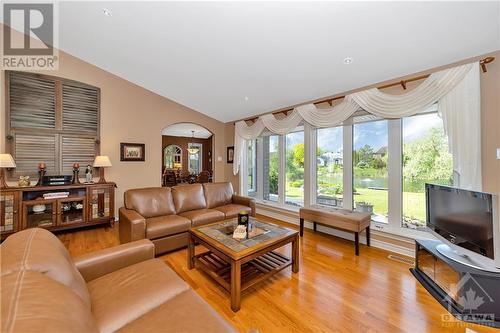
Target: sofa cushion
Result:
[218, 194]
[123, 296]
[188, 197]
[232, 210]
[39, 250]
[33, 302]
[203, 216]
[187, 312]
[150, 201]
[162, 226]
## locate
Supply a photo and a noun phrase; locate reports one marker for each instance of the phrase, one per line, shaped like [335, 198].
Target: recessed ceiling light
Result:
[347, 60]
[106, 12]
[246, 98]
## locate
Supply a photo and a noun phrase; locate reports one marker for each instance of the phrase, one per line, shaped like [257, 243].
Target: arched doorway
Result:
[187, 154]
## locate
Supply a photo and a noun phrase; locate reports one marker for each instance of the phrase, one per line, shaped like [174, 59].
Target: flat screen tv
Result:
[467, 223]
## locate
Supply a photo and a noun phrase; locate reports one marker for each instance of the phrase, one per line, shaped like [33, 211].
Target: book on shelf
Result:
[55, 195]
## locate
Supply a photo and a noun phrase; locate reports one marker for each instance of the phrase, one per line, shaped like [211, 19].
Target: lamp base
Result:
[3, 184]
[102, 179]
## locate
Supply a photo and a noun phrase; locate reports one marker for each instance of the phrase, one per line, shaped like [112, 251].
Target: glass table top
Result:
[261, 232]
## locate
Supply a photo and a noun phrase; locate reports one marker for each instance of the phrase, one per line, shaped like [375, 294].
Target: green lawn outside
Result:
[293, 192]
[413, 202]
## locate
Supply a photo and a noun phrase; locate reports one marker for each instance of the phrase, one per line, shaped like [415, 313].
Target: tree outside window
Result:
[426, 159]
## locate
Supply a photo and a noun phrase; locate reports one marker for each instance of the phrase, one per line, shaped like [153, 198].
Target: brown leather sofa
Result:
[120, 289]
[164, 215]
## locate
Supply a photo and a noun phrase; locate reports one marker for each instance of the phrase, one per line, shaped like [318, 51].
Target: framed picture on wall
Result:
[132, 152]
[230, 154]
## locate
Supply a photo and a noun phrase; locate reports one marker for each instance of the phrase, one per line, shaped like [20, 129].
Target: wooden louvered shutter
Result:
[31, 149]
[80, 108]
[77, 150]
[32, 102]
[51, 120]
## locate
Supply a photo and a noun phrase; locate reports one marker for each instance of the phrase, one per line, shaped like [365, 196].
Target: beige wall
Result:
[130, 113]
[490, 113]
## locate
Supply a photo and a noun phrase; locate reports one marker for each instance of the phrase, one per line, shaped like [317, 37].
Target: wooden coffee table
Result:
[239, 264]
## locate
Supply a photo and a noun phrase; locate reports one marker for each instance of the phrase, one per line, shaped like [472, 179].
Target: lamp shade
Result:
[6, 161]
[102, 161]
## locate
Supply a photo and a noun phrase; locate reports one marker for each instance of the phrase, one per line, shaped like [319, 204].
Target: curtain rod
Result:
[482, 63]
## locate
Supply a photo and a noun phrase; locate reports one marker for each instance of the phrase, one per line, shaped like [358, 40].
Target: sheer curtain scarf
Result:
[456, 90]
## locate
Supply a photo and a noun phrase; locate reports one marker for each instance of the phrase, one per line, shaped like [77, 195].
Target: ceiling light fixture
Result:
[246, 98]
[347, 60]
[193, 149]
[106, 12]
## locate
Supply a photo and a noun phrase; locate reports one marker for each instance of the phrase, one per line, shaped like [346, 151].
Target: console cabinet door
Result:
[39, 213]
[72, 210]
[101, 200]
[9, 214]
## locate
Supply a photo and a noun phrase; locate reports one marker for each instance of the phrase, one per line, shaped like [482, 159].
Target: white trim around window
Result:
[394, 172]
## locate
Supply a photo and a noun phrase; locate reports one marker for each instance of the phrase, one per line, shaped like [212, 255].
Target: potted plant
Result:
[364, 207]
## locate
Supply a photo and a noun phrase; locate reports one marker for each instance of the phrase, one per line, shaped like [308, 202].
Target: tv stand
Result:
[467, 291]
[464, 259]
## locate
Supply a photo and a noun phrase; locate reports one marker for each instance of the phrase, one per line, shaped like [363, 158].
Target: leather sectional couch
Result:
[164, 215]
[120, 289]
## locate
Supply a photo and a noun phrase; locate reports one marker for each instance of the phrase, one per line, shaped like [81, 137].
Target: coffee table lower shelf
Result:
[252, 272]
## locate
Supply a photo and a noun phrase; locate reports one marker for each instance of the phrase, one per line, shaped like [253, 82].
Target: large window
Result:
[251, 157]
[172, 157]
[370, 176]
[271, 167]
[330, 167]
[425, 160]
[294, 173]
[195, 158]
[368, 164]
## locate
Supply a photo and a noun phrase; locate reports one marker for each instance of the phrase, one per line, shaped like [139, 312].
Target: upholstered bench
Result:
[338, 218]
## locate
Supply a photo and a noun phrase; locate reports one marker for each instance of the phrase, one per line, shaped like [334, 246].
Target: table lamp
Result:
[6, 161]
[102, 162]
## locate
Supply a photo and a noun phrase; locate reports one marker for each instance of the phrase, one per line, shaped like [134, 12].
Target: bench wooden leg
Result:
[301, 231]
[368, 236]
[314, 226]
[356, 243]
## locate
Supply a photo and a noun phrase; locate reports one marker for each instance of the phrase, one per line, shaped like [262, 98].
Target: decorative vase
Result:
[243, 218]
[24, 181]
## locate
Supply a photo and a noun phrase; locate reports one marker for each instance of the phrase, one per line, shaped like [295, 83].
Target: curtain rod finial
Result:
[485, 61]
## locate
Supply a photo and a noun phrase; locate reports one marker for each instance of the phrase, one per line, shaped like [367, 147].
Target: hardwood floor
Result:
[334, 291]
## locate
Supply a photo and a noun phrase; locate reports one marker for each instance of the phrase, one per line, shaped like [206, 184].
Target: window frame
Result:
[174, 155]
[300, 128]
[394, 166]
[200, 156]
[314, 173]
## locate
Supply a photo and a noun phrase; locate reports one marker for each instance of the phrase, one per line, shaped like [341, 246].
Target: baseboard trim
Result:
[293, 218]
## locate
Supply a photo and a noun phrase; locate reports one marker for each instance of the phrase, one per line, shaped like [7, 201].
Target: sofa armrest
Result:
[132, 225]
[245, 201]
[99, 263]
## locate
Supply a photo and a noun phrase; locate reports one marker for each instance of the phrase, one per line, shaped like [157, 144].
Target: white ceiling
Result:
[211, 55]
[185, 129]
